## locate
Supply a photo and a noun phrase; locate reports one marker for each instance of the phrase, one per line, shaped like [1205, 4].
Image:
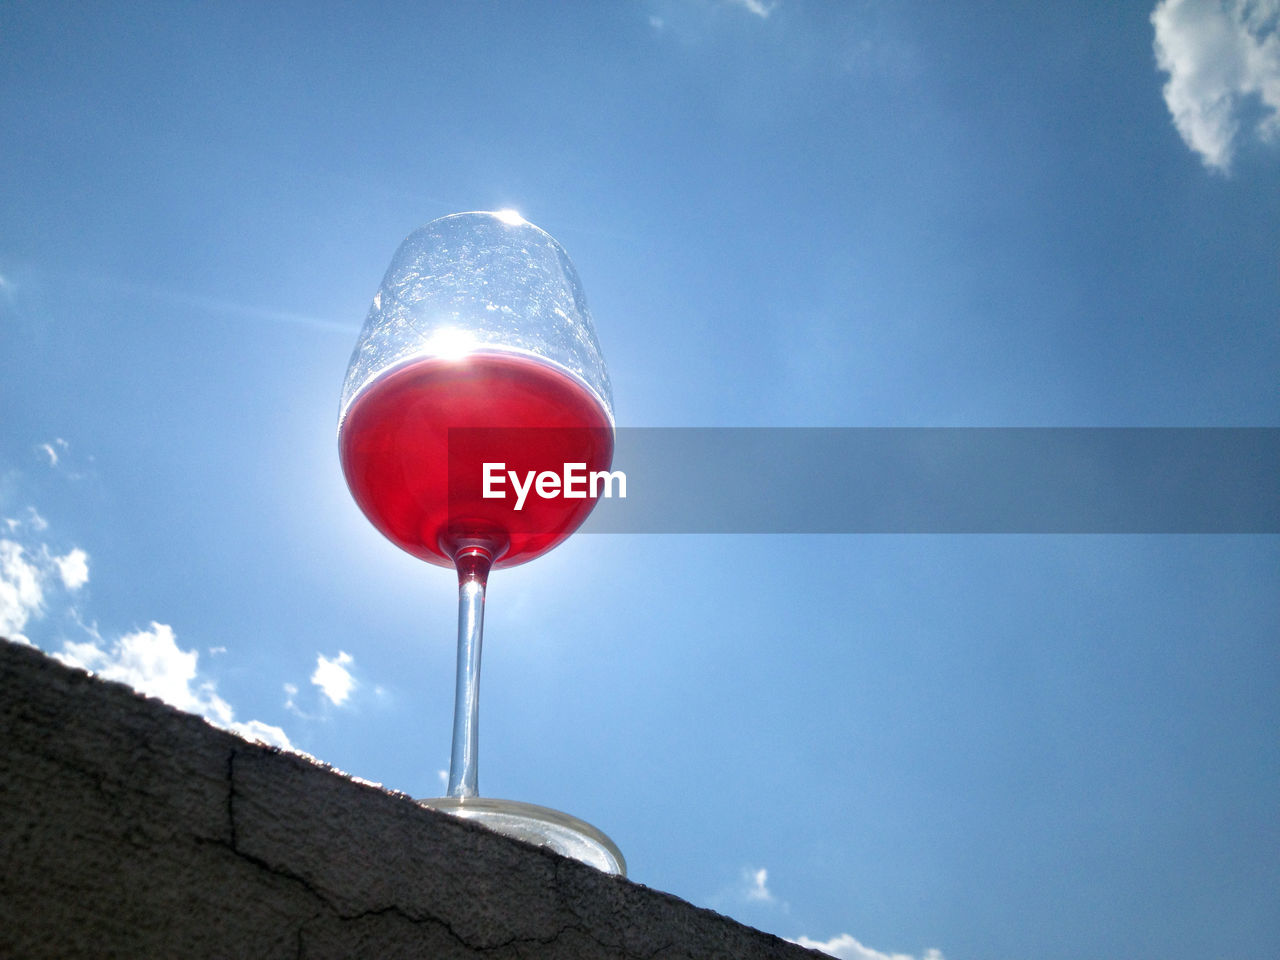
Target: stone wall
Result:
[130, 829]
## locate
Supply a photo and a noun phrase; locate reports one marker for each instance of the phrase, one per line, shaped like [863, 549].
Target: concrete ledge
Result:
[129, 829]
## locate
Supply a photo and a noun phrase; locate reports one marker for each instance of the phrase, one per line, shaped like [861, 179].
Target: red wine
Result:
[426, 495]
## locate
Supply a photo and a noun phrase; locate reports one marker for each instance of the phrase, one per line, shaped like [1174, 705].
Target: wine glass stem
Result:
[473, 571]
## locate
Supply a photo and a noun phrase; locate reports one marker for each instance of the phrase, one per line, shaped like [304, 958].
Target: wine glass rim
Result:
[510, 218]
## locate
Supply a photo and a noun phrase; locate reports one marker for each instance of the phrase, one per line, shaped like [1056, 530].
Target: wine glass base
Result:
[541, 826]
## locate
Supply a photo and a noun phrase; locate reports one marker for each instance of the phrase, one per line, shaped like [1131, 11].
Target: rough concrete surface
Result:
[130, 829]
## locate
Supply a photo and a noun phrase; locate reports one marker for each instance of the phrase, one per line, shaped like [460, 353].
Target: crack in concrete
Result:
[412, 917]
[232, 843]
[417, 921]
[107, 789]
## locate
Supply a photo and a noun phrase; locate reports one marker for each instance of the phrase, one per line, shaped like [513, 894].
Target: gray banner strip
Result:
[945, 480]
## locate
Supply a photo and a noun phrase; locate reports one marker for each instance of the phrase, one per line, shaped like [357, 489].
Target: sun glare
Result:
[510, 217]
[450, 343]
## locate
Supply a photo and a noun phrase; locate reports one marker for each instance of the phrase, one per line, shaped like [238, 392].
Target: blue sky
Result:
[784, 214]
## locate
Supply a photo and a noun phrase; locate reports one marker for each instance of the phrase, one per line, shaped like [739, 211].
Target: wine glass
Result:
[477, 369]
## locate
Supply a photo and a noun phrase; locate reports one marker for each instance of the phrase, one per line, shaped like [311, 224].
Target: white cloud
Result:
[34, 521]
[152, 663]
[1220, 56]
[750, 892]
[73, 569]
[21, 590]
[757, 885]
[333, 678]
[51, 450]
[847, 947]
[758, 7]
[29, 571]
[263, 733]
[148, 660]
[26, 572]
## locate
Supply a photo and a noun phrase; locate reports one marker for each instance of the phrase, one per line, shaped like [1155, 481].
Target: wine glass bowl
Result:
[476, 370]
[480, 322]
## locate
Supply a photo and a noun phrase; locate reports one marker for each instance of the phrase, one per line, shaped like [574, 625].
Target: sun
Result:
[510, 217]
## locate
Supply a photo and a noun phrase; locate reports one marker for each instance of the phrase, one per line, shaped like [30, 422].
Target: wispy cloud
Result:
[333, 678]
[848, 947]
[758, 886]
[291, 703]
[751, 893]
[152, 663]
[1222, 58]
[56, 455]
[749, 896]
[218, 306]
[845, 946]
[54, 450]
[758, 7]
